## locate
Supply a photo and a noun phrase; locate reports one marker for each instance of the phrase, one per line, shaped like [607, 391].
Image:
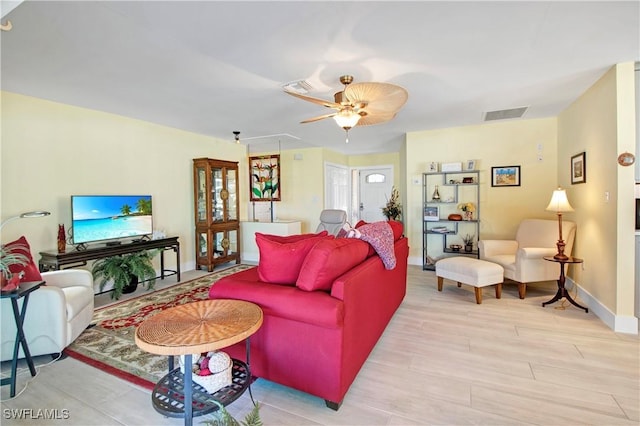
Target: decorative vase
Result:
[436, 195]
[468, 248]
[62, 244]
[468, 215]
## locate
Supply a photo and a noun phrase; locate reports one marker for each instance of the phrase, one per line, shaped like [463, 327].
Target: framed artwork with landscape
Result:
[432, 214]
[579, 168]
[264, 177]
[505, 176]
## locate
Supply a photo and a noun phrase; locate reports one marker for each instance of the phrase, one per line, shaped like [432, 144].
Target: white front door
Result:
[375, 189]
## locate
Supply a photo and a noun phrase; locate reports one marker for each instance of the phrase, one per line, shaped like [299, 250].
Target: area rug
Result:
[108, 343]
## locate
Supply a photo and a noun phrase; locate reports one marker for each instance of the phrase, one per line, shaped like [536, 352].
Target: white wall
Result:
[51, 151]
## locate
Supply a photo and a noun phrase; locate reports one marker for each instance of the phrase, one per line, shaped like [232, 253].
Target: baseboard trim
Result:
[618, 323]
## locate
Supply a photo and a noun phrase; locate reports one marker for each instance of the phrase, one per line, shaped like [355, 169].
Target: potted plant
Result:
[10, 256]
[126, 271]
[468, 209]
[223, 418]
[393, 209]
[468, 242]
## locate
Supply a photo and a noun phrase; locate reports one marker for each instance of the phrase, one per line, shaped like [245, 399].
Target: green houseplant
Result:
[126, 271]
[223, 418]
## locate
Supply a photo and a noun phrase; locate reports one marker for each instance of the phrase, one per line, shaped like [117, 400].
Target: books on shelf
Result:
[440, 229]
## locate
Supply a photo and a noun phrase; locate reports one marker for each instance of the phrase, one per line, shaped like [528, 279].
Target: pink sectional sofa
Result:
[319, 330]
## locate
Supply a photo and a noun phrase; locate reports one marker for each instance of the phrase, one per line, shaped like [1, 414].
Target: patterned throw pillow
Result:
[30, 271]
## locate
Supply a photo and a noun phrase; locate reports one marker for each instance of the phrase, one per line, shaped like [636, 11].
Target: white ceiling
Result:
[212, 67]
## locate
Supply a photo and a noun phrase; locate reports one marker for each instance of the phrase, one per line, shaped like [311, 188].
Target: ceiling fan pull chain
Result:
[347, 131]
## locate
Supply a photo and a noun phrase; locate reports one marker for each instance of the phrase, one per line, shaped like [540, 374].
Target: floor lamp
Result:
[37, 213]
[560, 204]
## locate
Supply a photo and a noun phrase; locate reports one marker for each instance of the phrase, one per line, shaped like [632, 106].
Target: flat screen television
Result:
[110, 217]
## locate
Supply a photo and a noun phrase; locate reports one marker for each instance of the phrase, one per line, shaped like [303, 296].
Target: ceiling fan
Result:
[360, 104]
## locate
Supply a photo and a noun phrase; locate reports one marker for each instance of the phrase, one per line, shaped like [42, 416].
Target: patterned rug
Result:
[109, 344]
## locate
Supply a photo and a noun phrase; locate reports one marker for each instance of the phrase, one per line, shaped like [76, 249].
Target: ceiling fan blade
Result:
[317, 101]
[318, 118]
[380, 97]
[375, 118]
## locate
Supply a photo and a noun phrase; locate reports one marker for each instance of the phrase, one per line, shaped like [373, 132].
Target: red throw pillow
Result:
[31, 271]
[397, 229]
[360, 223]
[329, 259]
[281, 257]
[291, 238]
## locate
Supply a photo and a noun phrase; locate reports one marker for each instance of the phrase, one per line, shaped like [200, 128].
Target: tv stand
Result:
[52, 260]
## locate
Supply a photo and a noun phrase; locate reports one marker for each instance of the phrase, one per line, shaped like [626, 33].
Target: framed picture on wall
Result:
[505, 176]
[579, 168]
[264, 177]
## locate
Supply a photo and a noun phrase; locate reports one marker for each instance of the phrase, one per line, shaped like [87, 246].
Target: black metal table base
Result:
[168, 394]
[562, 292]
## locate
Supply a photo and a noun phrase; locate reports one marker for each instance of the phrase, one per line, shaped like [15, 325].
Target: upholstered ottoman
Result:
[474, 272]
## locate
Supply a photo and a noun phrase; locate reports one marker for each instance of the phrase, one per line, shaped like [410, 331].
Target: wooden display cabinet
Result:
[217, 207]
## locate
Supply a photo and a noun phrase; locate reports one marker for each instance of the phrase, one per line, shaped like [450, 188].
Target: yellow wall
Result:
[51, 151]
[602, 124]
[510, 143]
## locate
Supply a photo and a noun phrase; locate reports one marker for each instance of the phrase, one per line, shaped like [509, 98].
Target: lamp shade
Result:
[559, 202]
[346, 118]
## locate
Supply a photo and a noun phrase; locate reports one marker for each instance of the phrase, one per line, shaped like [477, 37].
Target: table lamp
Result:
[37, 213]
[560, 204]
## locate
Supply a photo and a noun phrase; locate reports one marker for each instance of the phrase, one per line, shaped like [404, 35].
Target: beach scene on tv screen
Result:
[98, 218]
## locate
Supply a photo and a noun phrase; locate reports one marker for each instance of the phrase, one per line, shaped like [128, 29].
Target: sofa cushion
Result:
[31, 271]
[316, 308]
[397, 229]
[281, 257]
[329, 259]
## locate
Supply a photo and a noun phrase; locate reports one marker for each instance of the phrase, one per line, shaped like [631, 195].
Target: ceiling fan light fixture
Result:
[346, 118]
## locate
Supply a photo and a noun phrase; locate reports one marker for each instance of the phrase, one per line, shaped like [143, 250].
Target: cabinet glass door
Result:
[201, 202]
[217, 203]
[202, 244]
[233, 243]
[231, 202]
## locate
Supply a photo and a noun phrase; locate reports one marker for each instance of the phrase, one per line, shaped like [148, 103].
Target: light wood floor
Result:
[442, 360]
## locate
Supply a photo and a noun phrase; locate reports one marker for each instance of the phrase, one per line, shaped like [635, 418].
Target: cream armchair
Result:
[56, 314]
[522, 258]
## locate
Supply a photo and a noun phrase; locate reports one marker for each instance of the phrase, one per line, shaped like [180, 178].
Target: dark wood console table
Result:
[52, 260]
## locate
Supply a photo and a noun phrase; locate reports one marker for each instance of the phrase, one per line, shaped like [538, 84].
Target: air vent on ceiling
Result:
[504, 114]
[300, 86]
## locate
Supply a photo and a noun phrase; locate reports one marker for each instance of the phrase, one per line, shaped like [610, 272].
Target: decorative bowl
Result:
[455, 247]
[455, 216]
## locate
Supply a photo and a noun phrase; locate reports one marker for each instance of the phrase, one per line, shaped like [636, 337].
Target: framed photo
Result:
[433, 167]
[264, 178]
[579, 168]
[471, 165]
[505, 176]
[432, 214]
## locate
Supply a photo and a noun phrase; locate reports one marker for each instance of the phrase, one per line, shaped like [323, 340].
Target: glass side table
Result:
[562, 292]
[22, 292]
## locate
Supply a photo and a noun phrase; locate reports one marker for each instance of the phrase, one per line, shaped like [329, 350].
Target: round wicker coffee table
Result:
[193, 328]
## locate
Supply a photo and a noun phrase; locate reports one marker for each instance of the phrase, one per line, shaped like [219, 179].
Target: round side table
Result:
[562, 292]
[191, 328]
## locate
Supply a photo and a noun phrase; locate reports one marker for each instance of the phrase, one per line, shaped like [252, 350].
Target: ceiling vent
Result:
[300, 86]
[505, 114]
